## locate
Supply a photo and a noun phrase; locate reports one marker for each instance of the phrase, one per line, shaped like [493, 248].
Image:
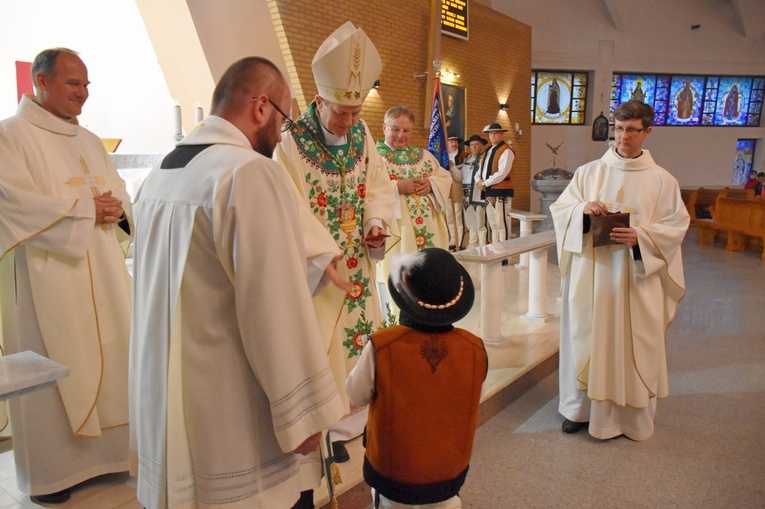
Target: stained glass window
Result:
[558, 97]
[743, 162]
[693, 100]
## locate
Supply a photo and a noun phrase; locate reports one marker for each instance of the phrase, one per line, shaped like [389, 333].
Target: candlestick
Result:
[177, 118]
[199, 113]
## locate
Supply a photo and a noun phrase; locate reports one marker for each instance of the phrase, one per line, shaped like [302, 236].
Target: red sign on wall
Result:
[23, 79]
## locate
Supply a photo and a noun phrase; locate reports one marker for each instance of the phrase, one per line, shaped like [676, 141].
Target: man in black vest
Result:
[496, 181]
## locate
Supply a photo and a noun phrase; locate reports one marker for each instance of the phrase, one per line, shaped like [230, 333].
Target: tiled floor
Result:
[526, 345]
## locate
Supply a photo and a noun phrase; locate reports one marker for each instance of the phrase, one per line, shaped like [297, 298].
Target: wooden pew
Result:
[700, 201]
[742, 220]
[737, 192]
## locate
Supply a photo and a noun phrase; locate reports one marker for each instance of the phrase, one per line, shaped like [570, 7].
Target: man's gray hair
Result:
[45, 62]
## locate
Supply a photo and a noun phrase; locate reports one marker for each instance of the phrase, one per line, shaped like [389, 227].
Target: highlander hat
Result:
[346, 66]
[431, 286]
[493, 128]
[475, 137]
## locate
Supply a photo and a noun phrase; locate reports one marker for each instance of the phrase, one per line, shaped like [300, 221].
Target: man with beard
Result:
[225, 411]
[454, 218]
[475, 213]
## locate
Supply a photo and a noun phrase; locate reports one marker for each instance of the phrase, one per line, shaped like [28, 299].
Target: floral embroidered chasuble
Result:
[421, 221]
[345, 187]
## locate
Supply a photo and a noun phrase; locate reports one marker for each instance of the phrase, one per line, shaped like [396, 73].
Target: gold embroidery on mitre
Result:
[434, 351]
[357, 60]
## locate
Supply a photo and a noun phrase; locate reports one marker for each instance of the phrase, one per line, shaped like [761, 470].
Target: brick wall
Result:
[494, 65]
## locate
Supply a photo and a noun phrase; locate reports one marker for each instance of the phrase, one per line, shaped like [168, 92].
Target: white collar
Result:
[331, 139]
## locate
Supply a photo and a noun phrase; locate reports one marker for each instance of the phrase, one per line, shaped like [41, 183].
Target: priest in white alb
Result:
[619, 298]
[65, 225]
[231, 383]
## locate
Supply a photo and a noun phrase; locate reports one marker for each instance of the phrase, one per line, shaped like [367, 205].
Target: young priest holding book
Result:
[618, 296]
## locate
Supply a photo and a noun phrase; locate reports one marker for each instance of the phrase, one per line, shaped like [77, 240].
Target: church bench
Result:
[737, 192]
[741, 219]
[701, 203]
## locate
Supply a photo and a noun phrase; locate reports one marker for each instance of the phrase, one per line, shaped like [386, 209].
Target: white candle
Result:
[177, 116]
[199, 114]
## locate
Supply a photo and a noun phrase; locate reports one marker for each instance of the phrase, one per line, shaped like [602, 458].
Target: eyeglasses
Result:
[287, 122]
[628, 130]
[396, 130]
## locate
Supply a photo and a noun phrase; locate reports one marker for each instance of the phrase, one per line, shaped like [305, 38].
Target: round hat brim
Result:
[446, 316]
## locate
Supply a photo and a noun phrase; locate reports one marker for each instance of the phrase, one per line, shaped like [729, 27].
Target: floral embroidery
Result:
[357, 291]
[412, 163]
[360, 292]
[352, 341]
[434, 351]
[336, 186]
[309, 139]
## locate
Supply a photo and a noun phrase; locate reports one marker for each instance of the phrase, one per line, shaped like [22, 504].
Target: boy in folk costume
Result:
[422, 380]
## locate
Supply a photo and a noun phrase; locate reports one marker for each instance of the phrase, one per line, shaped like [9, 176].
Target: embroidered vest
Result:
[505, 187]
[423, 417]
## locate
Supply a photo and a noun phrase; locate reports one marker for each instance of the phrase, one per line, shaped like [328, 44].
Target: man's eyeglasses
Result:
[287, 122]
[396, 130]
[628, 130]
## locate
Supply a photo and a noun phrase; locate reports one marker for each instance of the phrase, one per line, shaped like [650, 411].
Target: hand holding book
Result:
[602, 225]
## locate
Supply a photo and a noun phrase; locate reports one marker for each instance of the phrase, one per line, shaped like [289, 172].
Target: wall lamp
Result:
[517, 129]
[377, 84]
[504, 106]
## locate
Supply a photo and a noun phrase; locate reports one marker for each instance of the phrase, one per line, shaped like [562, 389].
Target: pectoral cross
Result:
[88, 179]
[617, 205]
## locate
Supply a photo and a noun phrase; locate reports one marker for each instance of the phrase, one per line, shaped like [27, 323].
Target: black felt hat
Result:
[493, 128]
[431, 286]
[475, 137]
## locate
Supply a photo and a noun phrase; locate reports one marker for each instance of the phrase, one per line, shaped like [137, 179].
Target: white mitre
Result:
[346, 66]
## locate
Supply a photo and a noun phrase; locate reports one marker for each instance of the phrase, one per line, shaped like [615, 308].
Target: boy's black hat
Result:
[431, 286]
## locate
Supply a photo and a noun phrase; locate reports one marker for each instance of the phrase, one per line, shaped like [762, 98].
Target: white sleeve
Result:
[505, 165]
[360, 384]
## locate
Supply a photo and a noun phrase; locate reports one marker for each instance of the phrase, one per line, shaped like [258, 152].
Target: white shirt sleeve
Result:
[360, 384]
[504, 167]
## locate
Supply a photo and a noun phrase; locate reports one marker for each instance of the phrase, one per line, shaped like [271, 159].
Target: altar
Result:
[133, 169]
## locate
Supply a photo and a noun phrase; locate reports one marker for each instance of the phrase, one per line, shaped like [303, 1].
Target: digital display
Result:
[454, 18]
